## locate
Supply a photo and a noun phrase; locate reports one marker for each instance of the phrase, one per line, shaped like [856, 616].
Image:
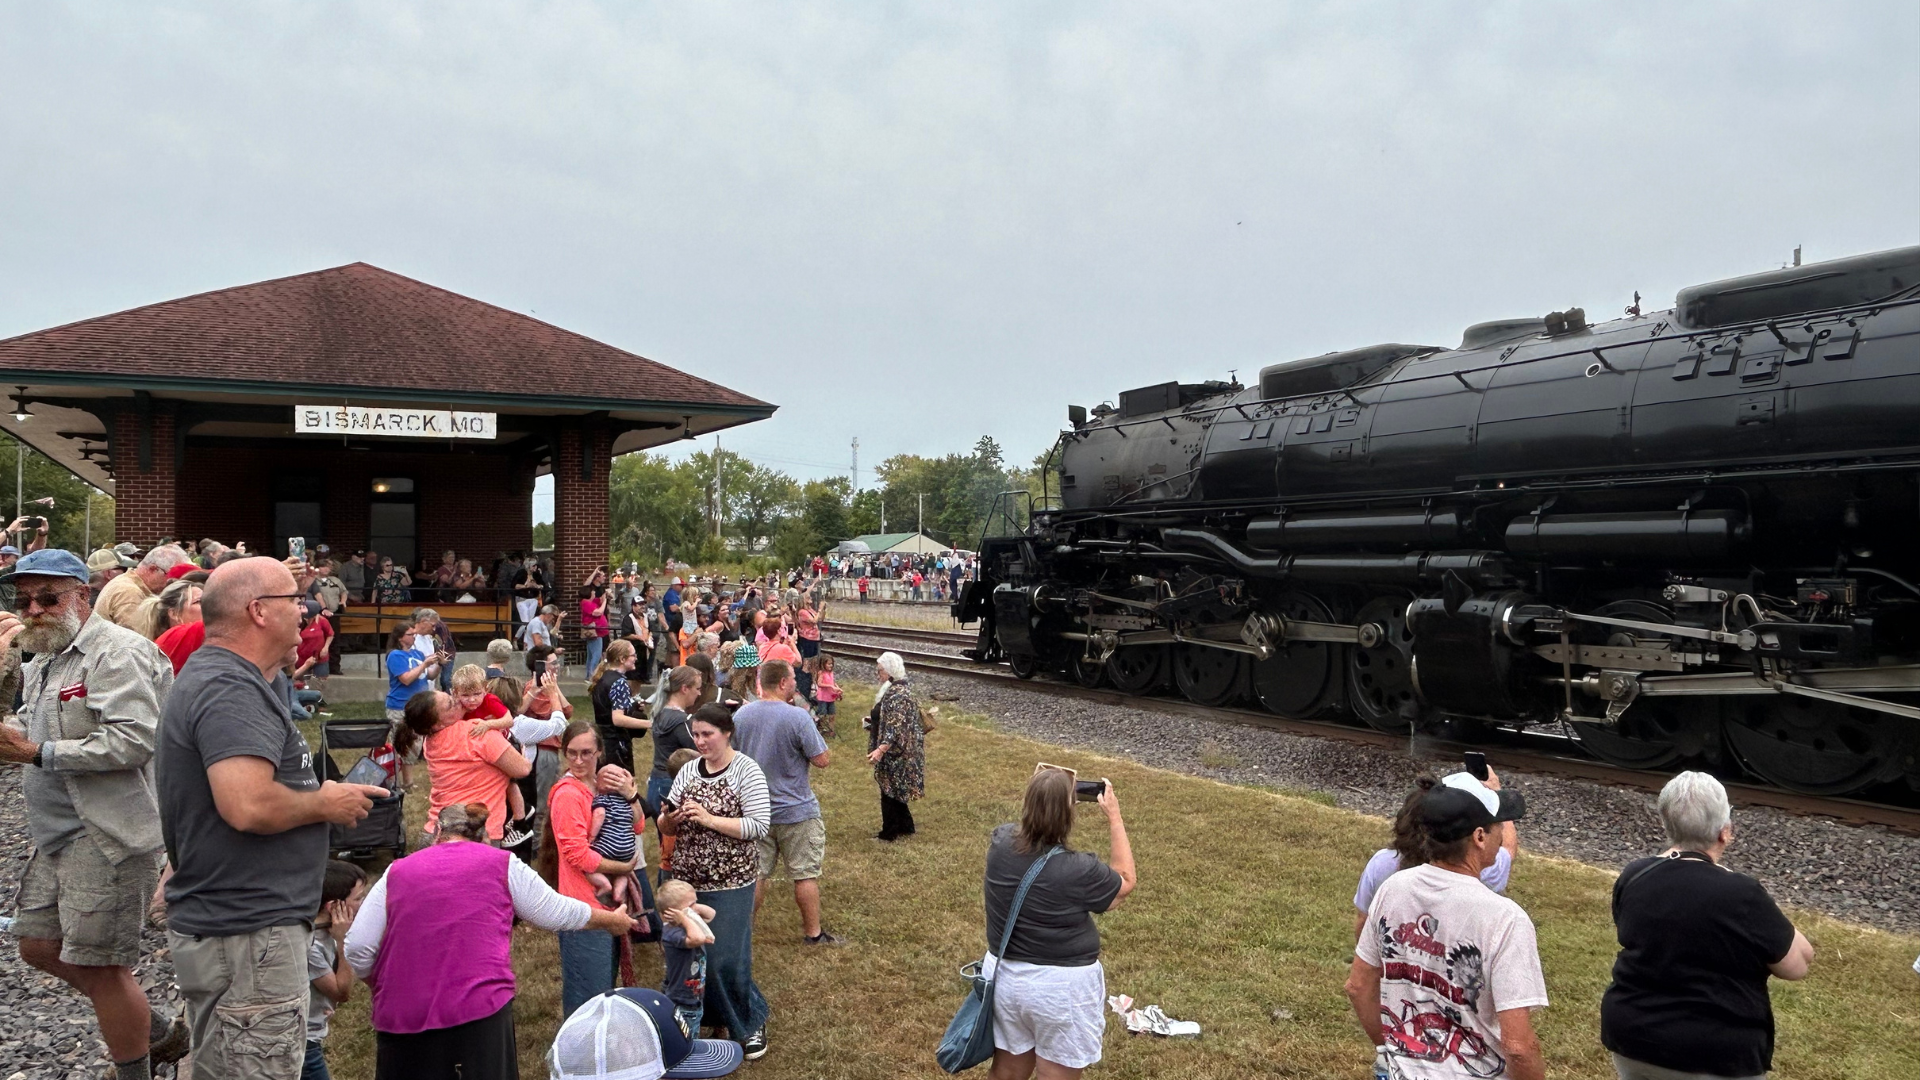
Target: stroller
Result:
[384, 826]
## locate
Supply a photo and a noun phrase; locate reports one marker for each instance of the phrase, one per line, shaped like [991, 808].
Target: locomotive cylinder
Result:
[1656, 536]
[1404, 529]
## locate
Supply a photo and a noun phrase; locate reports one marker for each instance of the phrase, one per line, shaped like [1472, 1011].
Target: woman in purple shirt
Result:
[439, 1010]
[1410, 845]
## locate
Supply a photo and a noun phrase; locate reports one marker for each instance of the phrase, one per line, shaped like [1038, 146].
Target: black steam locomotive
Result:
[1685, 536]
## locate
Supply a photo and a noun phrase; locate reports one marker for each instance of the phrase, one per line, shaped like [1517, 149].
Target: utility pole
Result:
[883, 511]
[719, 500]
[856, 463]
[19, 476]
[920, 512]
[88, 542]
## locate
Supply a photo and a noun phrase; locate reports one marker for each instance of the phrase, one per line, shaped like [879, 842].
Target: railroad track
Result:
[1549, 762]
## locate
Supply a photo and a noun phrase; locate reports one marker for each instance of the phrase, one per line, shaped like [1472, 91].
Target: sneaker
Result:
[171, 1046]
[824, 938]
[755, 1045]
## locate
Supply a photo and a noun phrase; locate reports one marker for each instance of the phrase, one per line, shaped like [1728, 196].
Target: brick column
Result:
[144, 475]
[582, 460]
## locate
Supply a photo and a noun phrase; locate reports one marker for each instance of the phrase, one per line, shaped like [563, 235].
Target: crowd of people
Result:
[928, 575]
[167, 779]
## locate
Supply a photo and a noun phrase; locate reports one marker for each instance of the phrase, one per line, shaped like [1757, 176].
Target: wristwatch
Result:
[40, 756]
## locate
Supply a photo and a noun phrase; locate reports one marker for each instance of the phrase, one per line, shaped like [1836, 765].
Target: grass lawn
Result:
[1243, 922]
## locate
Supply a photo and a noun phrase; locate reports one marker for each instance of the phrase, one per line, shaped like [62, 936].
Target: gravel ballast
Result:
[1864, 874]
[47, 1029]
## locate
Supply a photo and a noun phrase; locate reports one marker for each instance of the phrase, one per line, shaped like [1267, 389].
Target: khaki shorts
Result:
[800, 847]
[93, 907]
[246, 998]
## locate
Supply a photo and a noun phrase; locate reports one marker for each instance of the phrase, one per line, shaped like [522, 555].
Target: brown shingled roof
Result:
[358, 326]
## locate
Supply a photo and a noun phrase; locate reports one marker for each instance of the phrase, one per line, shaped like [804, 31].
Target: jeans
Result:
[304, 700]
[596, 647]
[657, 789]
[691, 1017]
[588, 964]
[315, 1067]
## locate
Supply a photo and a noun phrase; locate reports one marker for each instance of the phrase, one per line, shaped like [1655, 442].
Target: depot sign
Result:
[393, 423]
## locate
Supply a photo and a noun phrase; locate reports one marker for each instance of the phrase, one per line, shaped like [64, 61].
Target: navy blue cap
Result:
[51, 562]
[686, 1057]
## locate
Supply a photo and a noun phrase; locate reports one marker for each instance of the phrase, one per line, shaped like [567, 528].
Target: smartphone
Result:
[1088, 790]
[36, 523]
[1476, 763]
[297, 548]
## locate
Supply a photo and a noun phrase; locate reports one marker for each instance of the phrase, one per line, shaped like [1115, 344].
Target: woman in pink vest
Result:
[440, 1010]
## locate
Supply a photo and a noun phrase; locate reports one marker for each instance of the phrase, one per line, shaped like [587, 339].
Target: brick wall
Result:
[144, 499]
[580, 537]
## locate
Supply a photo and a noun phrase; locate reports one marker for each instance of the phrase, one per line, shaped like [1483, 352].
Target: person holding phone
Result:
[1411, 846]
[1050, 992]
[411, 668]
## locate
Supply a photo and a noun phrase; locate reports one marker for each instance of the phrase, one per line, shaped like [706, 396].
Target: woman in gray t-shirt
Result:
[1049, 989]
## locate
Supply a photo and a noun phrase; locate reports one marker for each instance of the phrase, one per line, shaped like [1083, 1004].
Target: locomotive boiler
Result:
[1680, 537]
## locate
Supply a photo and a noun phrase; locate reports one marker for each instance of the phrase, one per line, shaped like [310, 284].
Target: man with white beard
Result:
[91, 706]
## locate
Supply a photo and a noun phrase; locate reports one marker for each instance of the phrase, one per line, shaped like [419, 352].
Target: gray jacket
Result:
[101, 701]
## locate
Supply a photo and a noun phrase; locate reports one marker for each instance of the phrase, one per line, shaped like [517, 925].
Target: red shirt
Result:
[312, 640]
[180, 642]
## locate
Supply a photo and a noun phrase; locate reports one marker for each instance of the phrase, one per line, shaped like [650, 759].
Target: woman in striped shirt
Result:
[718, 810]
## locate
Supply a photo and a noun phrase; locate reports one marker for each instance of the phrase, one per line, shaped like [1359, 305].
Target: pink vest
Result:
[444, 960]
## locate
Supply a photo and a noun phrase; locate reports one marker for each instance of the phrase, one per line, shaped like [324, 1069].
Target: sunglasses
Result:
[46, 600]
[1044, 767]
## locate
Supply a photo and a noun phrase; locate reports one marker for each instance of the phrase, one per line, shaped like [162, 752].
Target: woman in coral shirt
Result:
[468, 762]
[589, 960]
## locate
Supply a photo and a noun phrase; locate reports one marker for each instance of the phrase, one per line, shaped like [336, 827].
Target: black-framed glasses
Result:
[294, 596]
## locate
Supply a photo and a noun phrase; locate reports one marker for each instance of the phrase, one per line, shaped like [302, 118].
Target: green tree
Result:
[543, 536]
[757, 499]
[44, 478]
[863, 513]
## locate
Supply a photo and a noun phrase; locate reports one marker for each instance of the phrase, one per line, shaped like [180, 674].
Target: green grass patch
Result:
[1242, 922]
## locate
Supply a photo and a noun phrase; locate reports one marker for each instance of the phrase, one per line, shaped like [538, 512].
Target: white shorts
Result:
[1058, 1012]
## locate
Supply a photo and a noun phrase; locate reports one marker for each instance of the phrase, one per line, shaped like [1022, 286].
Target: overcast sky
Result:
[918, 223]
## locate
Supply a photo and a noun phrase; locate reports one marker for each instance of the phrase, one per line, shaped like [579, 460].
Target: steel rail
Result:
[1850, 811]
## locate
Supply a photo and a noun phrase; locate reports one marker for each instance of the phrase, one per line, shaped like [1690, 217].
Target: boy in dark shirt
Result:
[683, 945]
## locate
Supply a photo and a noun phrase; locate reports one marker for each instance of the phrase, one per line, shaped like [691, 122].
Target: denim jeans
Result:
[589, 963]
[595, 647]
[304, 700]
[315, 1067]
[657, 789]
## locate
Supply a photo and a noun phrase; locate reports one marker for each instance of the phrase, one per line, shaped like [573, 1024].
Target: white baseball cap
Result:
[636, 1034]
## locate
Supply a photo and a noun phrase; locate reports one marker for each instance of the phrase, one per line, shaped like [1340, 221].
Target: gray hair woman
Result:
[1697, 942]
[896, 747]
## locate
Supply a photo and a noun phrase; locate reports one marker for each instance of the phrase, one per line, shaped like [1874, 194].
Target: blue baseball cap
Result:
[50, 562]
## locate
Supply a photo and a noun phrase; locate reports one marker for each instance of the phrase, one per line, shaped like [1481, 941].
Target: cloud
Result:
[915, 223]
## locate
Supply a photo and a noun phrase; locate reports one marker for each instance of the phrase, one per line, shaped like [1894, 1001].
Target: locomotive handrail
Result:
[1690, 335]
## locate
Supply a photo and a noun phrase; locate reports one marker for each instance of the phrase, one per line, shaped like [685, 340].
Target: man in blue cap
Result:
[91, 706]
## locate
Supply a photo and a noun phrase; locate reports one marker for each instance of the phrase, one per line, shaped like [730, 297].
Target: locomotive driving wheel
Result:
[1138, 669]
[1024, 665]
[1817, 747]
[1208, 676]
[1380, 668]
[1654, 733]
[1297, 679]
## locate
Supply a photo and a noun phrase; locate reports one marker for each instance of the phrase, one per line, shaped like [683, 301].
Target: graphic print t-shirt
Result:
[1453, 955]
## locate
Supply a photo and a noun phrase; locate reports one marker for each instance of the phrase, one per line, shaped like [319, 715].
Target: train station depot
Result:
[353, 407]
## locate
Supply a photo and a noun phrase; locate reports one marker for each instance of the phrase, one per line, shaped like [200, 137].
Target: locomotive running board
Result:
[1842, 686]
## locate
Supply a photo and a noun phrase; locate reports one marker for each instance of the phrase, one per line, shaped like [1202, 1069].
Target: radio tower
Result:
[856, 463]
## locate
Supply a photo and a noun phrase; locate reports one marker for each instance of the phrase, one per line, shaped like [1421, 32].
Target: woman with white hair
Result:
[1697, 942]
[897, 748]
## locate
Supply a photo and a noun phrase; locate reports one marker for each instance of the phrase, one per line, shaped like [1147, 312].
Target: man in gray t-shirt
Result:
[781, 738]
[245, 821]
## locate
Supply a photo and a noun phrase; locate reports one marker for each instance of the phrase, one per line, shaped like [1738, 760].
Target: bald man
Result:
[245, 820]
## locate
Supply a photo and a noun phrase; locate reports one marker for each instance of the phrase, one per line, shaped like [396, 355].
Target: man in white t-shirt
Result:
[1446, 970]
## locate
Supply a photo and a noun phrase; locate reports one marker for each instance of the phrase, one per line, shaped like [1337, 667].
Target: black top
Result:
[1055, 927]
[670, 732]
[1690, 984]
[601, 692]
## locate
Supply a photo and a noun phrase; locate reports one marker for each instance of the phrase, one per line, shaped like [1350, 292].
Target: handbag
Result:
[969, 1038]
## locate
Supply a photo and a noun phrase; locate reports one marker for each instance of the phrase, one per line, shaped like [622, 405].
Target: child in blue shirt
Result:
[683, 945]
